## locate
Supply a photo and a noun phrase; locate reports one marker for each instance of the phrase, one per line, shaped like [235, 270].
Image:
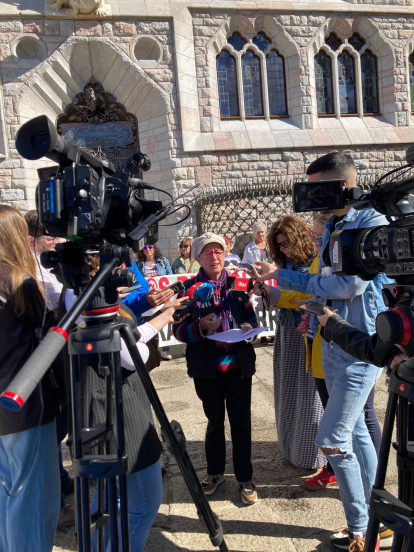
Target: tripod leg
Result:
[76, 447]
[212, 522]
[119, 421]
[373, 523]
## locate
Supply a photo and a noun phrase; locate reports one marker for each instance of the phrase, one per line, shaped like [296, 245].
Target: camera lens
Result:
[40, 142]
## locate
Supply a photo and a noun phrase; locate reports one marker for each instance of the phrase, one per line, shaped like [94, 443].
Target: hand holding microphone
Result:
[200, 292]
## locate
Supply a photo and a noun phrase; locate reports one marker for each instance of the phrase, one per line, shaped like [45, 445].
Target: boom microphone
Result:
[200, 293]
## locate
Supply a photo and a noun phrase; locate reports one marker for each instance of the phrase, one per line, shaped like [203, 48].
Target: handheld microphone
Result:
[200, 292]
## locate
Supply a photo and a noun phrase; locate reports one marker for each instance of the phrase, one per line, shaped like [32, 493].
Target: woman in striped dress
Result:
[297, 405]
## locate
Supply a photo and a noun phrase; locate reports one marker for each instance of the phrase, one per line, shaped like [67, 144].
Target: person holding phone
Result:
[298, 409]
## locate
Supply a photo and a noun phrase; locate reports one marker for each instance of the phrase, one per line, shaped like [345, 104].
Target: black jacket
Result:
[17, 342]
[201, 355]
[364, 347]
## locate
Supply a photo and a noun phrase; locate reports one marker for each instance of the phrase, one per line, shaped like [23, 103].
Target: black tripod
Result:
[395, 513]
[101, 334]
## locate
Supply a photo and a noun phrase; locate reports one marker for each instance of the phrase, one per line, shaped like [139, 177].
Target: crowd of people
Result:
[324, 396]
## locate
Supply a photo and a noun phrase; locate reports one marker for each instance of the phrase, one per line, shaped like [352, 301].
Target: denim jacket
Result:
[356, 300]
[297, 315]
[162, 266]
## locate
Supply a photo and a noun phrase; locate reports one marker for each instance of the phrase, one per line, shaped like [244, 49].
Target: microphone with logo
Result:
[198, 293]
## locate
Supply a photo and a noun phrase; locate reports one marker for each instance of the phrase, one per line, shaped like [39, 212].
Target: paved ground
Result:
[287, 518]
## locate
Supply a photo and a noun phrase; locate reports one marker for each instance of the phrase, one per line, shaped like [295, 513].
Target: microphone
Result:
[200, 292]
[239, 284]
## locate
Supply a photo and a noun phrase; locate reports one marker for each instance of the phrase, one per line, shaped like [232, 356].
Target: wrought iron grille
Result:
[232, 210]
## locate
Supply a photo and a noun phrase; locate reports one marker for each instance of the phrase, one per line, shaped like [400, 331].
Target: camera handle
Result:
[396, 514]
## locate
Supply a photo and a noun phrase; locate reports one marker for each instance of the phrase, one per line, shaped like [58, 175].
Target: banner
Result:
[166, 335]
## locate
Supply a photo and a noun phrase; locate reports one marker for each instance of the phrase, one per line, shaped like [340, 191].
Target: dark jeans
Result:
[369, 413]
[227, 390]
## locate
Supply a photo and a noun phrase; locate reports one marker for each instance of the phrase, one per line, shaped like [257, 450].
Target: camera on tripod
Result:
[82, 197]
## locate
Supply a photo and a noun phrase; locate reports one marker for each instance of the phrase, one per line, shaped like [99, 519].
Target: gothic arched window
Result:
[323, 78]
[252, 85]
[333, 42]
[369, 82]
[411, 68]
[236, 41]
[261, 41]
[276, 84]
[227, 85]
[346, 81]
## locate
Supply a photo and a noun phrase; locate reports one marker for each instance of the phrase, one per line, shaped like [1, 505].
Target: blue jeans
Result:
[144, 499]
[28, 520]
[343, 427]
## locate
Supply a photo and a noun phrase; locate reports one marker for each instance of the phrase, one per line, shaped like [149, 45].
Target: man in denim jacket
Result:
[343, 434]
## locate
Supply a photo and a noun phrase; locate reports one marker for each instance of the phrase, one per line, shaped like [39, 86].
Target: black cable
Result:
[181, 220]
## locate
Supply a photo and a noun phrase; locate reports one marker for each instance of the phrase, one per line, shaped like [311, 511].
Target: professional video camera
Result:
[366, 252]
[82, 200]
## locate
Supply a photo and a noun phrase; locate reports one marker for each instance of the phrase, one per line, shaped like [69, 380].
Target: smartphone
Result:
[248, 267]
[314, 308]
[176, 287]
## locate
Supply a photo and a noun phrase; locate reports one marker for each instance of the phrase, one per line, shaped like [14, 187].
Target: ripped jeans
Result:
[343, 427]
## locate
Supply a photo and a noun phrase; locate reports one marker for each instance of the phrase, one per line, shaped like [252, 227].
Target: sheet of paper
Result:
[234, 336]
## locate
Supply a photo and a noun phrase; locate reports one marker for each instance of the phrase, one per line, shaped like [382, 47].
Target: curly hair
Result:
[299, 236]
[140, 256]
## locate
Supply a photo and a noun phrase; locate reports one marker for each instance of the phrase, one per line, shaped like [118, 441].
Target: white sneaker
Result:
[165, 355]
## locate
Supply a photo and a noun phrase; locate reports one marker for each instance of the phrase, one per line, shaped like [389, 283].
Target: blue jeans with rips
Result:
[28, 520]
[343, 427]
[144, 499]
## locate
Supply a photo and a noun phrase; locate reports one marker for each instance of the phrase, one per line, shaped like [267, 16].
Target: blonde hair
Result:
[16, 254]
[188, 241]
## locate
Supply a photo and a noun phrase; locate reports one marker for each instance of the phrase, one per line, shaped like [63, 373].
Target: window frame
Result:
[356, 79]
[261, 55]
[409, 76]
[261, 83]
[356, 55]
[329, 55]
[230, 117]
[284, 80]
[368, 114]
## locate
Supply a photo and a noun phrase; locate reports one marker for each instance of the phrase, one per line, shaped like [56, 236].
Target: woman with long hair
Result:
[185, 263]
[297, 405]
[29, 461]
[151, 262]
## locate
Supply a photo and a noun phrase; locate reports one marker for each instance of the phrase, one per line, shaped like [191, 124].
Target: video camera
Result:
[365, 252]
[81, 197]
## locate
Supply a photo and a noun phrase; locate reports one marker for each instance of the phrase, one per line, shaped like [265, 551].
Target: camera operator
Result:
[29, 468]
[142, 444]
[349, 382]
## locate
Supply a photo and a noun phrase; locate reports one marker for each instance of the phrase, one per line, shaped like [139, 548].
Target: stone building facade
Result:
[159, 60]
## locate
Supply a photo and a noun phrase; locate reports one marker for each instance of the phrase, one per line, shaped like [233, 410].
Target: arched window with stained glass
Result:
[261, 41]
[252, 85]
[227, 85]
[276, 84]
[369, 81]
[237, 41]
[323, 78]
[346, 81]
[411, 69]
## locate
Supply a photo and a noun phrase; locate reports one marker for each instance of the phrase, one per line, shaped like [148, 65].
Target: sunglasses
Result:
[147, 247]
[184, 246]
[217, 253]
[283, 244]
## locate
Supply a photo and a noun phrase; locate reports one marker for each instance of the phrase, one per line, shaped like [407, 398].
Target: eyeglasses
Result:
[147, 247]
[216, 252]
[283, 244]
[316, 236]
[184, 246]
[47, 238]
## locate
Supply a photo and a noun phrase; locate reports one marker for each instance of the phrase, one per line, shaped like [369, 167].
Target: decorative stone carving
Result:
[90, 7]
[96, 122]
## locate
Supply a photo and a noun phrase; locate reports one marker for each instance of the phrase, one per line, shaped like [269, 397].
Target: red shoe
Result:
[320, 481]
